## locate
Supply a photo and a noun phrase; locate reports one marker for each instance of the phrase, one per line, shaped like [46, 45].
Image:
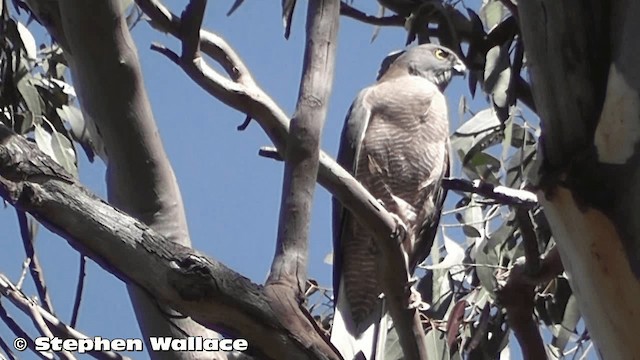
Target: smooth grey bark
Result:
[583, 60]
[286, 283]
[140, 180]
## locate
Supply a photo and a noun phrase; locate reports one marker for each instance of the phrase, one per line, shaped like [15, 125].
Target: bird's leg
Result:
[400, 231]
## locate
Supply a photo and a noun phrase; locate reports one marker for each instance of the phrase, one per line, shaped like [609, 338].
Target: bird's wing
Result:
[429, 215]
[429, 228]
[353, 132]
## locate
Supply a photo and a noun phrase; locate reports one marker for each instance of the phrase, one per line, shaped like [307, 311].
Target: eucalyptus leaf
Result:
[437, 345]
[28, 41]
[482, 121]
[491, 13]
[497, 74]
[43, 140]
[486, 261]
[30, 95]
[65, 154]
[569, 322]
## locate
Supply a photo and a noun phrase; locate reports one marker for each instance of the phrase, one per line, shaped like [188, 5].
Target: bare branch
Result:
[37, 274]
[7, 350]
[22, 302]
[501, 194]
[530, 240]
[79, 289]
[40, 324]
[288, 276]
[351, 12]
[18, 332]
[106, 72]
[301, 166]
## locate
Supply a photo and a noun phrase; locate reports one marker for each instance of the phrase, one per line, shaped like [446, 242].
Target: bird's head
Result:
[430, 61]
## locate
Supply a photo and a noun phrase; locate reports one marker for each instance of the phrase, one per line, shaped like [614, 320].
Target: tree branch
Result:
[60, 329]
[351, 12]
[195, 285]
[501, 194]
[37, 274]
[287, 279]
[18, 332]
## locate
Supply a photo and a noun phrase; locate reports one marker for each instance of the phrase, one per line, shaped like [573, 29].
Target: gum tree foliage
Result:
[493, 270]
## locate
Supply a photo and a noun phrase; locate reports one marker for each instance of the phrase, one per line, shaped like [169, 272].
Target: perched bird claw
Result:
[415, 300]
[400, 232]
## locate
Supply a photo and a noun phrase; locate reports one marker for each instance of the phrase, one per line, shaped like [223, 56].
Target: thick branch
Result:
[288, 276]
[195, 285]
[289, 267]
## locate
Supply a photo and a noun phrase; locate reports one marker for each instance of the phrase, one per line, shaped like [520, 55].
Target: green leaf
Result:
[485, 261]
[462, 107]
[65, 154]
[30, 95]
[437, 345]
[58, 147]
[497, 74]
[491, 13]
[483, 121]
[569, 322]
[392, 349]
[28, 42]
[43, 140]
[484, 167]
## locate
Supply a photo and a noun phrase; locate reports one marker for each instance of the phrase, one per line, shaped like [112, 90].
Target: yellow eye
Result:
[440, 54]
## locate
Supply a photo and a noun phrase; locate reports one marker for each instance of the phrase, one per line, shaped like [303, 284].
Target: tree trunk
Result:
[140, 180]
[583, 60]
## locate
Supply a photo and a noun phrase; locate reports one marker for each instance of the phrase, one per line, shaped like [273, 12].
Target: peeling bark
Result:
[583, 60]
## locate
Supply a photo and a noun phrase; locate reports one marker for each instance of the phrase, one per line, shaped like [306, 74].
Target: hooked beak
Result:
[459, 68]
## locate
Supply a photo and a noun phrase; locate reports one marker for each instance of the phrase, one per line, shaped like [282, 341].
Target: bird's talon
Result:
[400, 232]
[415, 301]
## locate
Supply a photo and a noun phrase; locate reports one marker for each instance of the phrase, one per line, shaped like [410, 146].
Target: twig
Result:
[270, 152]
[18, 332]
[6, 349]
[351, 12]
[501, 194]
[530, 241]
[79, 290]
[39, 323]
[244, 124]
[34, 265]
[60, 329]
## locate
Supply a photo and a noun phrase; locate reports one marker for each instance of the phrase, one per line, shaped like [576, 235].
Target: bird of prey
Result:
[395, 142]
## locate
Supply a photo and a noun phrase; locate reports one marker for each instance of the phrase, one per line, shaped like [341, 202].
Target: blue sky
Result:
[231, 194]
